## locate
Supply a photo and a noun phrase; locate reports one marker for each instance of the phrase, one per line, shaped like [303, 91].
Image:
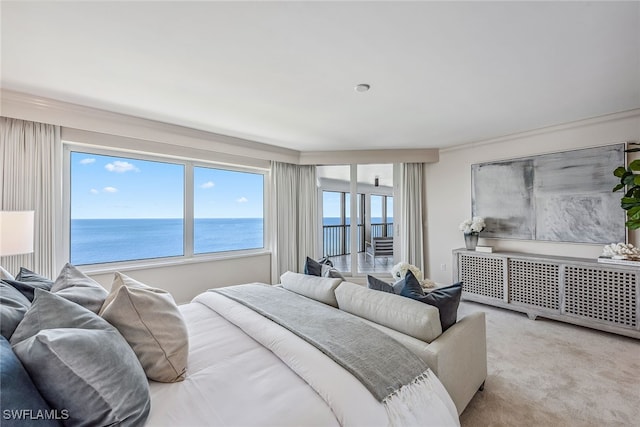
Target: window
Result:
[336, 220]
[127, 208]
[381, 216]
[228, 210]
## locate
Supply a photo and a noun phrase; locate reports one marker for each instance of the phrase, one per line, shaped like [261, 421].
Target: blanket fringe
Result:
[405, 406]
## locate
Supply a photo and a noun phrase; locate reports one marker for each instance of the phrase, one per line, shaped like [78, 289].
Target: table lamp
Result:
[16, 232]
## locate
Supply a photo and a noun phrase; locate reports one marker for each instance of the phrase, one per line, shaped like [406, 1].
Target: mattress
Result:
[245, 370]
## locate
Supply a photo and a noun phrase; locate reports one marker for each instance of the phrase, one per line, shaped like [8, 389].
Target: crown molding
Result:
[92, 125]
[547, 129]
[45, 110]
[425, 155]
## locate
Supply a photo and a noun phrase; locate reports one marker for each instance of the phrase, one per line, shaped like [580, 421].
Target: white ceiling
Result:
[283, 73]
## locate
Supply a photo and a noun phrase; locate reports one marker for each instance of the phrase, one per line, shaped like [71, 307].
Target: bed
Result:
[246, 370]
[313, 351]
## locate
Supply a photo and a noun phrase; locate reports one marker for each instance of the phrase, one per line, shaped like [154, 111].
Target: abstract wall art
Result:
[561, 197]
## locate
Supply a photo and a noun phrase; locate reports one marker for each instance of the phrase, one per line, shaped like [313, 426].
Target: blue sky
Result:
[222, 193]
[115, 187]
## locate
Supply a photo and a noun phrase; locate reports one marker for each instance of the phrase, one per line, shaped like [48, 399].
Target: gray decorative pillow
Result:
[4, 274]
[150, 321]
[26, 281]
[380, 285]
[330, 271]
[19, 394]
[75, 286]
[26, 275]
[446, 299]
[81, 364]
[313, 267]
[13, 306]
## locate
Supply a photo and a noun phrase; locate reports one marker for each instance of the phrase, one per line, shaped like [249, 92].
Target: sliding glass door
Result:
[362, 196]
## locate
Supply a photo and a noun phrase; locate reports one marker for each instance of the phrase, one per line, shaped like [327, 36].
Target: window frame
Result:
[188, 208]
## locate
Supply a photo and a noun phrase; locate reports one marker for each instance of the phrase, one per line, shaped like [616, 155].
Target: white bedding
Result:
[245, 370]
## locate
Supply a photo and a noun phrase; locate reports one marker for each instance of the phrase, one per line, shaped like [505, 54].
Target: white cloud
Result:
[110, 189]
[242, 200]
[94, 191]
[121, 167]
[87, 161]
[208, 184]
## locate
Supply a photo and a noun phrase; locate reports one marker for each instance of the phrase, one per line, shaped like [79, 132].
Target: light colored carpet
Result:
[548, 373]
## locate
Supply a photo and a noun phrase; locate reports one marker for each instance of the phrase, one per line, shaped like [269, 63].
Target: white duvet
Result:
[245, 370]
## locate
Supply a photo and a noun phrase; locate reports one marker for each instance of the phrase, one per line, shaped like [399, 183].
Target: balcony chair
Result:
[379, 247]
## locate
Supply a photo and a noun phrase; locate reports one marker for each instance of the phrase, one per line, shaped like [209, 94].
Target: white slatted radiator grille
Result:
[482, 275]
[605, 295]
[534, 283]
[574, 290]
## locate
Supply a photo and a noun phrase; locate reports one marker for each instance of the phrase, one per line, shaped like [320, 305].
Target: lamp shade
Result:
[16, 232]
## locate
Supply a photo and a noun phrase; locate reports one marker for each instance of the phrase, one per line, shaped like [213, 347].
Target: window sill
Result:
[122, 266]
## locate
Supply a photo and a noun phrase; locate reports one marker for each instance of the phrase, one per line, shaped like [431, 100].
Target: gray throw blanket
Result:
[381, 364]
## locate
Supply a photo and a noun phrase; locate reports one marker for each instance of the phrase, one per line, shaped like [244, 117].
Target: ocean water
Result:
[110, 240]
[330, 220]
[95, 241]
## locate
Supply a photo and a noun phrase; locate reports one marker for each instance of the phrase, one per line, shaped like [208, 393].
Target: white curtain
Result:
[411, 214]
[28, 153]
[295, 216]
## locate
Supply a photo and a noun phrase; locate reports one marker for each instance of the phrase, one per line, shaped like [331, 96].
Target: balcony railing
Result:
[337, 238]
[383, 229]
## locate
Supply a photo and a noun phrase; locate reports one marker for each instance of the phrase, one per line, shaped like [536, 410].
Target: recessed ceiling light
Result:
[362, 87]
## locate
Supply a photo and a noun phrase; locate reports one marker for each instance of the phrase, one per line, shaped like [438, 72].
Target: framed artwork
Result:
[559, 197]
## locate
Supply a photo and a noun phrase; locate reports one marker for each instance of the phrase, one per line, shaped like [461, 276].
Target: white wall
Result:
[448, 186]
[186, 280]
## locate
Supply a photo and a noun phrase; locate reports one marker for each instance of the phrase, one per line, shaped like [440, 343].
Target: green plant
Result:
[630, 178]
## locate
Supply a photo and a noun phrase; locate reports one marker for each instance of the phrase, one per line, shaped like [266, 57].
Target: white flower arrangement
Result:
[472, 225]
[621, 251]
[400, 270]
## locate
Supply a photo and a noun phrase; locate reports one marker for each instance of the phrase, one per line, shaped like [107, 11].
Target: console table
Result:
[574, 290]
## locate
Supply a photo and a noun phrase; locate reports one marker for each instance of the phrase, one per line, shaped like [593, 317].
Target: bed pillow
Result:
[318, 288]
[4, 274]
[19, 393]
[380, 285]
[322, 268]
[76, 286]
[26, 281]
[150, 321]
[420, 321]
[446, 299]
[313, 267]
[328, 271]
[13, 306]
[26, 275]
[81, 364]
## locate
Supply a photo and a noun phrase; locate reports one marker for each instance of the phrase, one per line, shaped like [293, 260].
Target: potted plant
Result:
[630, 179]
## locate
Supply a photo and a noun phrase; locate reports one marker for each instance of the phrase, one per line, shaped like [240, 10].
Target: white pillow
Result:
[314, 287]
[149, 319]
[411, 317]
